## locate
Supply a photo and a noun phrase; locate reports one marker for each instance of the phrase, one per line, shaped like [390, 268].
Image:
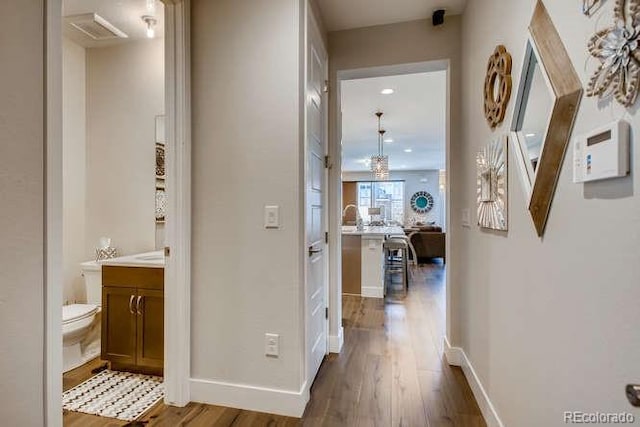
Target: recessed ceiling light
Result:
[387, 91]
[388, 140]
[408, 150]
[529, 135]
[403, 166]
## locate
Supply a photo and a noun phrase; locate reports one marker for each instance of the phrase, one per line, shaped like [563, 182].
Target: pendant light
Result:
[380, 162]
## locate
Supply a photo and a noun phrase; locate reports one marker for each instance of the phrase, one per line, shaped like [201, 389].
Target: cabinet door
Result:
[150, 334]
[119, 325]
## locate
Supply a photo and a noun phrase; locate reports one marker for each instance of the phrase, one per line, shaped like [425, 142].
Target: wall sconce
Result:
[150, 22]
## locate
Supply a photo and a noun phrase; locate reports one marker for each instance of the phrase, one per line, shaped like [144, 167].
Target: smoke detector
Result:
[95, 26]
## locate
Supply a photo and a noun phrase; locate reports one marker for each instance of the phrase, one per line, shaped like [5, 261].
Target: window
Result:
[386, 195]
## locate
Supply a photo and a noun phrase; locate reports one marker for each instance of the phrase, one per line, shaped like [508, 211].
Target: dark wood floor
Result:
[391, 373]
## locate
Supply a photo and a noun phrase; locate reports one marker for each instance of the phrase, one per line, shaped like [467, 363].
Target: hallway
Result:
[390, 373]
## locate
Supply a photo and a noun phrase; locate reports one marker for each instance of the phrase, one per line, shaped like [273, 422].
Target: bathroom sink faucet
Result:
[359, 223]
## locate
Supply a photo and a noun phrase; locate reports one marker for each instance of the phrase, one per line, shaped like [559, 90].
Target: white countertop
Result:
[148, 259]
[373, 231]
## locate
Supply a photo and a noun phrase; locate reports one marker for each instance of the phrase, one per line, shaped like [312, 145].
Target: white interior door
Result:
[316, 201]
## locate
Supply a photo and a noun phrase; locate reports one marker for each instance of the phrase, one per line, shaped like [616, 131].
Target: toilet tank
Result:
[92, 273]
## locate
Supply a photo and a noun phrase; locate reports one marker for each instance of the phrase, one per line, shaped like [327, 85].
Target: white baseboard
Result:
[336, 341]
[372, 292]
[456, 356]
[252, 398]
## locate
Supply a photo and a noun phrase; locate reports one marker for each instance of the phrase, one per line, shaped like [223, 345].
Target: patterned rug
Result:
[120, 395]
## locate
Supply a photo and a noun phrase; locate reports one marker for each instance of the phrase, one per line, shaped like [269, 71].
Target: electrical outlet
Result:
[272, 345]
[271, 217]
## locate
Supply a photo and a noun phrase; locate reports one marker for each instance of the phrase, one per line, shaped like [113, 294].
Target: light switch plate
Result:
[272, 217]
[272, 345]
[466, 217]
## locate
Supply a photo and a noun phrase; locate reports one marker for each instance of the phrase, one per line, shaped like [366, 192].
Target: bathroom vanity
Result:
[133, 313]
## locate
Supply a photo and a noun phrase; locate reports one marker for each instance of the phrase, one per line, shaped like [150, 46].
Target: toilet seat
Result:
[74, 312]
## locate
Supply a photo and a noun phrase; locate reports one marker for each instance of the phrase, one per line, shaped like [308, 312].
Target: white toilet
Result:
[81, 322]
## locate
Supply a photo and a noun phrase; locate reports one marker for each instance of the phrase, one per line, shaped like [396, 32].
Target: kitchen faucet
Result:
[359, 223]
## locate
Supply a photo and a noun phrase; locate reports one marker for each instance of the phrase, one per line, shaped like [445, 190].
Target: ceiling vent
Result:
[95, 26]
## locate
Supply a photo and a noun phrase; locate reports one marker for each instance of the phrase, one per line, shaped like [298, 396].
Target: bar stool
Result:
[396, 261]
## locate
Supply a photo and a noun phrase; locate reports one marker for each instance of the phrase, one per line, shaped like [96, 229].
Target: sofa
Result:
[428, 241]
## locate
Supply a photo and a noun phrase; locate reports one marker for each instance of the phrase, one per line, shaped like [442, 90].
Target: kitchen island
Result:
[363, 259]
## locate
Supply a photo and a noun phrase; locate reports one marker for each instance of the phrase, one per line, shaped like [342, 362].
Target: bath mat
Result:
[112, 394]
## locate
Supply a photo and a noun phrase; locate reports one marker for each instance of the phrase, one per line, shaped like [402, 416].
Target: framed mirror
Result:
[549, 92]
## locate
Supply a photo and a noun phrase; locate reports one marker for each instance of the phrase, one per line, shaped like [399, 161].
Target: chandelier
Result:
[380, 162]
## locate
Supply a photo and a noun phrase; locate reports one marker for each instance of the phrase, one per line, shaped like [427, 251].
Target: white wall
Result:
[549, 324]
[125, 91]
[246, 154]
[22, 213]
[73, 168]
[412, 184]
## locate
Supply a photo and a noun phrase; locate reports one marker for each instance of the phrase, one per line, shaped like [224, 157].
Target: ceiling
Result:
[414, 117]
[126, 15]
[347, 14]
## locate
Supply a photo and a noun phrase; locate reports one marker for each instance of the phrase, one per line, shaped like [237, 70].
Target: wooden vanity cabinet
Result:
[133, 318]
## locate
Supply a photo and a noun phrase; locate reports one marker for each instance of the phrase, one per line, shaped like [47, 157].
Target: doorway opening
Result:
[114, 202]
[118, 142]
[410, 200]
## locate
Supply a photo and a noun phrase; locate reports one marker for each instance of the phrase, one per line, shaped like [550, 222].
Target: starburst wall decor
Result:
[616, 48]
[492, 185]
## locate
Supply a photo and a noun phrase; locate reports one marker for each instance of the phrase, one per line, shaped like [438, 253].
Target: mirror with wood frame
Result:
[549, 93]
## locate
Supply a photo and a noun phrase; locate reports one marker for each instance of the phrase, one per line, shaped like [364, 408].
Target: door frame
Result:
[335, 186]
[177, 340]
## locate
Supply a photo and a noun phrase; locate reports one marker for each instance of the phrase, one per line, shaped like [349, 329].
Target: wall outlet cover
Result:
[272, 345]
[271, 217]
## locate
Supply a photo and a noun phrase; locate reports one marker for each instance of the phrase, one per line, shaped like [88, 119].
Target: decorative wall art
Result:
[161, 195]
[161, 205]
[422, 202]
[549, 93]
[160, 161]
[616, 47]
[497, 86]
[492, 185]
[589, 7]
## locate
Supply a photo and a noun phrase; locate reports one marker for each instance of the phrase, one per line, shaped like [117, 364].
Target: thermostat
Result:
[602, 153]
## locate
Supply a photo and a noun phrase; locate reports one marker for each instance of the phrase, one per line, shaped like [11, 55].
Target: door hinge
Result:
[326, 237]
[326, 162]
[325, 88]
[326, 312]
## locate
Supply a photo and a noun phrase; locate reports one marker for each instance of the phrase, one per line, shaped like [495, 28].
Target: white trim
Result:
[177, 332]
[52, 292]
[453, 355]
[456, 356]
[372, 292]
[336, 341]
[251, 398]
